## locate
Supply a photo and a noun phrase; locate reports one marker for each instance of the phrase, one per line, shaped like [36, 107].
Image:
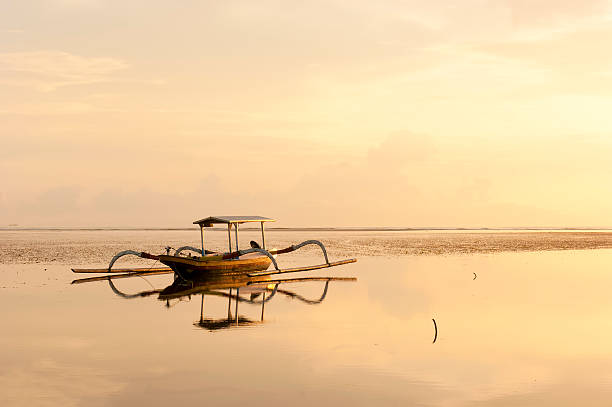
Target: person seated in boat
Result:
[255, 245]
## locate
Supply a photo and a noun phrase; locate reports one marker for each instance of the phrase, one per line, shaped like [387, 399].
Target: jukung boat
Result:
[253, 261]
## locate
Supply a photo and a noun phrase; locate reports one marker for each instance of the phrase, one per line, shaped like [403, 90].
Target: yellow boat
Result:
[252, 261]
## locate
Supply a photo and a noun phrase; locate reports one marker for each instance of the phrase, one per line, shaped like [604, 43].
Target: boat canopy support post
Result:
[202, 238]
[236, 233]
[229, 236]
[263, 236]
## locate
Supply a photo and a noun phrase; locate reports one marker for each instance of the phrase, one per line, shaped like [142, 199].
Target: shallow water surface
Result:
[528, 328]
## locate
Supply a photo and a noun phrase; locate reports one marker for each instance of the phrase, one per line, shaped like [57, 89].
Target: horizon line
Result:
[305, 228]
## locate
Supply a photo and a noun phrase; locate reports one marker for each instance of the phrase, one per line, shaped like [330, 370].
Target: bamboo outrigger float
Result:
[253, 261]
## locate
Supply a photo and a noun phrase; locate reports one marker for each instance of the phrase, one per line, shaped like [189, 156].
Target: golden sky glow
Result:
[319, 113]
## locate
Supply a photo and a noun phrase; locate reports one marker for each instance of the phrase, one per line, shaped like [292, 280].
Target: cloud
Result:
[399, 149]
[579, 52]
[74, 3]
[407, 179]
[49, 70]
[530, 12]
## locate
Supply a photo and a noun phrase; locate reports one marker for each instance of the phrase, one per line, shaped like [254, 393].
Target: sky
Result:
[321, 113]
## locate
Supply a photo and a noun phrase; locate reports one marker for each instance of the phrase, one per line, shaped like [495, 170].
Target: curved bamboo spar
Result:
[239, 253]
[132, 252]
[193, 249]
[298, 246]
[270, 253]
[316, 242]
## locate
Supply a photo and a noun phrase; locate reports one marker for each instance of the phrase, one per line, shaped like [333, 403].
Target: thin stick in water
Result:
[436, 328]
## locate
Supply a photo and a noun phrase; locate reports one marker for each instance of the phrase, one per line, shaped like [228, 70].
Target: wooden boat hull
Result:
[247, 264]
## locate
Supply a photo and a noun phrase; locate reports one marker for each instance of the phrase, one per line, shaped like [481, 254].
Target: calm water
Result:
[520, 328]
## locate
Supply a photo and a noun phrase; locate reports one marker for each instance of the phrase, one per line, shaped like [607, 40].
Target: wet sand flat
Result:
[88, 247]
[522, 318]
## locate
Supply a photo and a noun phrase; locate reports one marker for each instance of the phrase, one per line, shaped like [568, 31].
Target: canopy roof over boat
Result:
[212, 220]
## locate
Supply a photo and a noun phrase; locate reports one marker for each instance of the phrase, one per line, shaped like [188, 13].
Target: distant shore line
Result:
[303, 229]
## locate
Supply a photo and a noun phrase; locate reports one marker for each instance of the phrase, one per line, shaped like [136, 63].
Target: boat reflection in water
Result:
[237, 288]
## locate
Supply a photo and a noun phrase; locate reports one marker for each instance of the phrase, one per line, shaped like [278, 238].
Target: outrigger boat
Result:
[253, 261]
